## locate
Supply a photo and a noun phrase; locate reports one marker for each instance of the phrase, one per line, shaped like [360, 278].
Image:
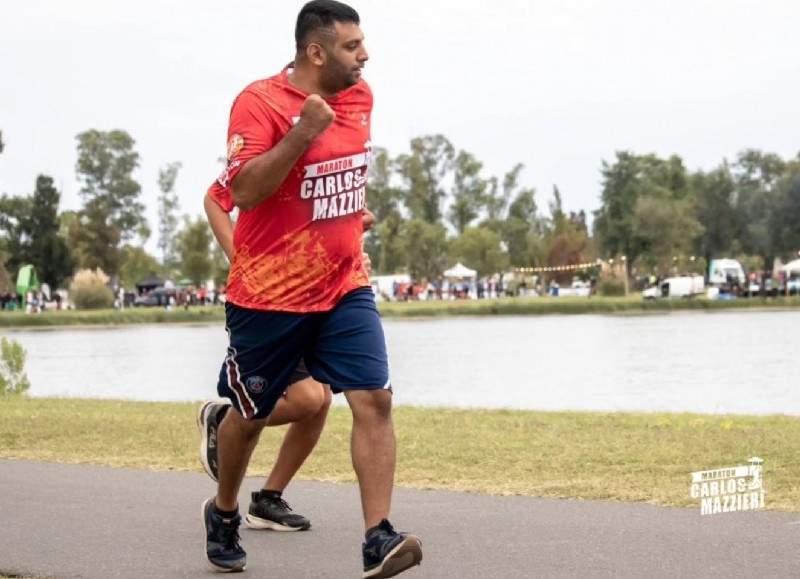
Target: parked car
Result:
[158, 297]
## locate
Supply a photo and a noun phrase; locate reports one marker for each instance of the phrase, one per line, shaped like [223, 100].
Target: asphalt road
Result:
[75, 521]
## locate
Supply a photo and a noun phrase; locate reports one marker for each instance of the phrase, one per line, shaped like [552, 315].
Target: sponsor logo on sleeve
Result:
[235, 144]
[224, 178]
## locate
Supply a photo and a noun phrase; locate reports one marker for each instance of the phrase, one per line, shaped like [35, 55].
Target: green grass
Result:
[633, 304]
[111, 317]
[645, 458]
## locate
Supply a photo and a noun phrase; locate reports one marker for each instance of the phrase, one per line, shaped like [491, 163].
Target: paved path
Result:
[73, 521]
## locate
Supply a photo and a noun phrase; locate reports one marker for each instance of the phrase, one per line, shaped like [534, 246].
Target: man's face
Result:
[345, 57]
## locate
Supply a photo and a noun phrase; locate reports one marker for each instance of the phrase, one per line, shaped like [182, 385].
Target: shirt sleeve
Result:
[251, 132]
[221, 196]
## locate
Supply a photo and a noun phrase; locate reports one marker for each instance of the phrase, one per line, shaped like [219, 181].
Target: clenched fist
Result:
[315, 116]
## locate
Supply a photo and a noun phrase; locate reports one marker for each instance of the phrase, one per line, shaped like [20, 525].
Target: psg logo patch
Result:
[255, 384]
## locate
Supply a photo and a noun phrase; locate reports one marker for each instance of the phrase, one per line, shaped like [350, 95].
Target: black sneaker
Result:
[209, 416]
[272, 512]
[223, 551]
[388, 553]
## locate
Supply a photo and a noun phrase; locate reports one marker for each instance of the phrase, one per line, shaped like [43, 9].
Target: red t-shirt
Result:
[300, 250]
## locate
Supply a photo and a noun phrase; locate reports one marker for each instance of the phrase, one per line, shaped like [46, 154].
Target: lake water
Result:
[725, 362]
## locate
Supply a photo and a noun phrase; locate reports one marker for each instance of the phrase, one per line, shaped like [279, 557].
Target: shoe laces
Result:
[229, 535]
[280, 503]
[387, 526]
[384, 528]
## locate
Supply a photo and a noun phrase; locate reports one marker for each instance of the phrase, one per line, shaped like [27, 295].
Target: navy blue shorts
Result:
[344, 347]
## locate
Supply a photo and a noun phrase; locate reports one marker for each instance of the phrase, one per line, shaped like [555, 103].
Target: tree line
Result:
[434, 205]
[110, 230]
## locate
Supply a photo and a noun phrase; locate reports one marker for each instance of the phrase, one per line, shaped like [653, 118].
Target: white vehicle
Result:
[724, 272]
[676, 287]
[579, 288]
[383, 285]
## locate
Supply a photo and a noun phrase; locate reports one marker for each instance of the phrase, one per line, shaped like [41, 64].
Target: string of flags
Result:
[571, 267]
[587, 265]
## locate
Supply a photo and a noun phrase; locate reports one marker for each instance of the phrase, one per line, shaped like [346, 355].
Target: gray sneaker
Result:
[209, 417]
[223, 552]
[272, 512]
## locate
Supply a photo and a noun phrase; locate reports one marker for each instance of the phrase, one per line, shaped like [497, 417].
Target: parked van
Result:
[676, 287]
[726, 272]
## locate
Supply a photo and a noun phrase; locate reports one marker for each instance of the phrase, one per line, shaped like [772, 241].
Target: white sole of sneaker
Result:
[406, 555]
[216, 568]
[263, 524]
[201, 426]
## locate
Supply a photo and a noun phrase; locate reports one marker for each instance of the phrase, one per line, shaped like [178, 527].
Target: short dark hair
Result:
[319, 14]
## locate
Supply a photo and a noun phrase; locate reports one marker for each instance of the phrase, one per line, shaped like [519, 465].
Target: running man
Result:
[298, 148]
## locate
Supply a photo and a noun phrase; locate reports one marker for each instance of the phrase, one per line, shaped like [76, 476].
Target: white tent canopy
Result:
[792, 266]
[460, 270]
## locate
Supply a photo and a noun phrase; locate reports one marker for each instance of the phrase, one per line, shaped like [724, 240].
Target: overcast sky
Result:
[556, 85]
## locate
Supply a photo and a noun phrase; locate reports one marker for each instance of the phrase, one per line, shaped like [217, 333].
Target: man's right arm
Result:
[261, 176]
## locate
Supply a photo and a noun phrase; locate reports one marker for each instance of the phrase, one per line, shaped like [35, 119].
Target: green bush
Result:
[92, 298]
[13, 380]
[89, 290]
[611, 287]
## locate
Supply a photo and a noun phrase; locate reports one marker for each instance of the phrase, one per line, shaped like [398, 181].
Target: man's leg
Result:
[237, 440]
[268, 509]
[304, 431]
[386, 552]
[253, 376]
[237, 437]
[350, 354]
[372, 445]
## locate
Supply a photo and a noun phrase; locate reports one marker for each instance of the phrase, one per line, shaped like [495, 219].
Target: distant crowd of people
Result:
[444, 289]
[171, 297]
[10, 301]
[32, 302]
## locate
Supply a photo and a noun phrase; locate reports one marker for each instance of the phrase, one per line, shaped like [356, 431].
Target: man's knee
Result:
[308, 397]
[234, 421]
[370, 404]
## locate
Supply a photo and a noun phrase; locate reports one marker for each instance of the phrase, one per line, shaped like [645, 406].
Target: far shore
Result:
[516, 306]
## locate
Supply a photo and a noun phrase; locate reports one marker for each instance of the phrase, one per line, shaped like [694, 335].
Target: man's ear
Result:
[315, 54]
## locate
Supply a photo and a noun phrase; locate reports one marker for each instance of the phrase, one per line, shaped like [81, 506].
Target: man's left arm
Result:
[221, 226]
[368, 219]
